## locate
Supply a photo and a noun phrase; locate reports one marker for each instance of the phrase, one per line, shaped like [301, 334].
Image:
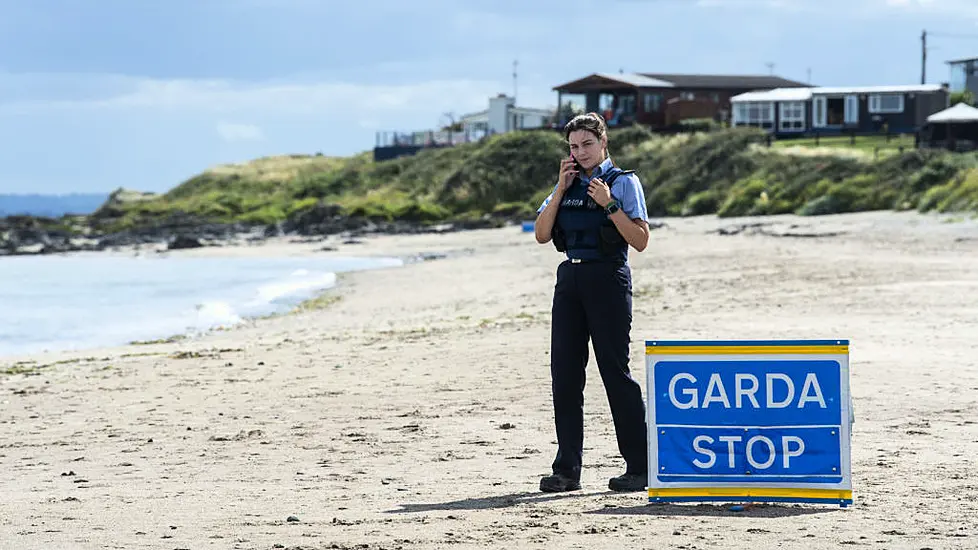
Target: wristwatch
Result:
[612, 207]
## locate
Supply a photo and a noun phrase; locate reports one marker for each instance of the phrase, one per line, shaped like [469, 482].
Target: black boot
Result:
[629, 482]
[557, 483]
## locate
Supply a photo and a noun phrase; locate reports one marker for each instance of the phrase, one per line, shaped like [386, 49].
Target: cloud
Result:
[201, 122]
[914, 3]
[794, 5]
[285, 98]
[934, 6]
[239, 132]
[964, 8]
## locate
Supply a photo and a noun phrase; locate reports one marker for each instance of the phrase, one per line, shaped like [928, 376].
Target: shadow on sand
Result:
[491, 502]
[717, 510]
[759, 510]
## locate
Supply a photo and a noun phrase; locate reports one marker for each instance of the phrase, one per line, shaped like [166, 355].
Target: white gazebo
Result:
[954, 128]
[960, 112]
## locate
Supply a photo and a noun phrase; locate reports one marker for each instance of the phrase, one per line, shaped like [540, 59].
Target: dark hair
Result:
[592, 122]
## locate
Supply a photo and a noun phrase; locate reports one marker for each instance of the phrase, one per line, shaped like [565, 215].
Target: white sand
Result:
[377, 421]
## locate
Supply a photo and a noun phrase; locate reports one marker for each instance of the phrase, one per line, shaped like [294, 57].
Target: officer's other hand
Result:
[599, 191]
[567, 173]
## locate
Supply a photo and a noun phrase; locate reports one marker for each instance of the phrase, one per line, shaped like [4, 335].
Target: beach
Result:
[414, 411]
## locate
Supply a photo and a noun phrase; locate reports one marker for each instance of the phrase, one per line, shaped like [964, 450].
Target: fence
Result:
[424, 138]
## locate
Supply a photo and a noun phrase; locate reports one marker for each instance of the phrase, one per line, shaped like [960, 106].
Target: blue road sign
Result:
[749, 421]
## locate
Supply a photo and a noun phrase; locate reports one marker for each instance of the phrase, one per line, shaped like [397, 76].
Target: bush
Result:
[746, 198]
[699, 125]
[958, 195]
[620, 140]
[682, 166]
[508, 168]
[515, 211]
[704, 202]
[420, 211]
[265, 215]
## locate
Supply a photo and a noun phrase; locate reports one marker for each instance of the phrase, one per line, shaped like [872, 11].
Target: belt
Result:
[608, 262]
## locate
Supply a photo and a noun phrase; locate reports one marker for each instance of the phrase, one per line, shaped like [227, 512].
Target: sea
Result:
[77, 302]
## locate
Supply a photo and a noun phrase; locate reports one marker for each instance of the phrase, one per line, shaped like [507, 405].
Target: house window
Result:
[886, 103]
[626, 105]
[760, 115]
[688, 96]
[652, 102]
[852, 109]
[959, 76]
[792, 117]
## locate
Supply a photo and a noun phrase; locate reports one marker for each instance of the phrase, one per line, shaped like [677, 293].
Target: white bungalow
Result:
[862, 109]
[504, 116]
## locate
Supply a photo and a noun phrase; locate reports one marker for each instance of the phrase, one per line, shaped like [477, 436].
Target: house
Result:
[964, 75]
[826, 110]
[504, 116]
[662, 100]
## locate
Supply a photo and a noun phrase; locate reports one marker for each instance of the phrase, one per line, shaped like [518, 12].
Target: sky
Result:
[101, 94]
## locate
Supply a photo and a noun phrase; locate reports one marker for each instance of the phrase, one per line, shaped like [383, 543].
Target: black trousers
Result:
[593, 301]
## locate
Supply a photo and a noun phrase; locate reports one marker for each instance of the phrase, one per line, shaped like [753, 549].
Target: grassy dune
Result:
[728, 172]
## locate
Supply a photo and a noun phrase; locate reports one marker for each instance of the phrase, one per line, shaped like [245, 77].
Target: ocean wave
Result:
[79, 303]
[212, 315]
[301, 284]
[268, 298]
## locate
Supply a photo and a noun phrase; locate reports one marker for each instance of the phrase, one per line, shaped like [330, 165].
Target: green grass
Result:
[322, 301]
[169, 340]
[859, 143]
[23, 367]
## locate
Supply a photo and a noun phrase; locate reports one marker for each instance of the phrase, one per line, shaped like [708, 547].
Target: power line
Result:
[953, 35]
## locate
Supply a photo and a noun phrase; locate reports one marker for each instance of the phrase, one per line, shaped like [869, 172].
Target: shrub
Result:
[744, 199]
[704, 202]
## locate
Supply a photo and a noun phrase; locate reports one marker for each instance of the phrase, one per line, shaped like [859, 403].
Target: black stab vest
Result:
[582, 228]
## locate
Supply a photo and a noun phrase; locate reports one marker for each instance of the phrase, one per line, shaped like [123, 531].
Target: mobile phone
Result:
[577, 165]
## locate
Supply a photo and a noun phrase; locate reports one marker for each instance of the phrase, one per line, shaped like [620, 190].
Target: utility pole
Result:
[770, 67]
[923, 57]
[515, 63]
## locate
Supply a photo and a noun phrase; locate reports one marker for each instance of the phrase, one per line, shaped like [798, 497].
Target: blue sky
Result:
[100, 94]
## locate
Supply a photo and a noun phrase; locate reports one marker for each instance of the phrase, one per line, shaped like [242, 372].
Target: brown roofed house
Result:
[662, 100]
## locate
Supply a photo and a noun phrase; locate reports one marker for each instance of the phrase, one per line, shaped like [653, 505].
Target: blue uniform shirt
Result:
[627, 190]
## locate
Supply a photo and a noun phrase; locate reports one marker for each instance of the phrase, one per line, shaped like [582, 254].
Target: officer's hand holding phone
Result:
[568, 171]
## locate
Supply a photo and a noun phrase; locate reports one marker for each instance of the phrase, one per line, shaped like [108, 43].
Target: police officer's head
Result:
[587, 136]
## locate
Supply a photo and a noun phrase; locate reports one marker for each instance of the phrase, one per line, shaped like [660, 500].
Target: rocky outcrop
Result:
[37, 235]
[181, 242]
[321, 219]
[177, 225]
[34, 235]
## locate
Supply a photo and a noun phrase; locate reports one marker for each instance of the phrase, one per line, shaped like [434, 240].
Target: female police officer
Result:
[596, 211]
